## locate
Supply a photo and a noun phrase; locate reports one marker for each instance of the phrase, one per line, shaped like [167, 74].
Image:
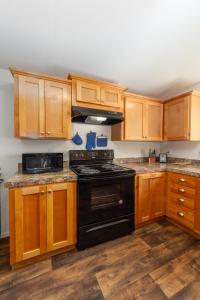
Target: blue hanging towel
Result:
[91, 140]
[102, 141]
[77, 139]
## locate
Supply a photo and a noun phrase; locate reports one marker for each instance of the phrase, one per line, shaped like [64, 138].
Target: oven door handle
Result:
[107, 177]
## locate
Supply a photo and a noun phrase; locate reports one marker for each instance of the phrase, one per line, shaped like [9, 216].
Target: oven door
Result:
[105, 198]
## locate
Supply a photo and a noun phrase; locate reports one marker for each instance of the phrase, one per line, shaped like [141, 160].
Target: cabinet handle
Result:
[181, 190]
[180, 214]
[42, 192]
[48, 132]
[181, 200]
[182, 180]
[42, 133]
[50, 191]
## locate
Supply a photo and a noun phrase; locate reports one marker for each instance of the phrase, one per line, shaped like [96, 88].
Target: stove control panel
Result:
[76, 155]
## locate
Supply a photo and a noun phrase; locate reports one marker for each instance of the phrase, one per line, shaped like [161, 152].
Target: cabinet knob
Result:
[180, 213]
[42, 133]
[50, 191]
[42, 192]
[181, 190]
[48, 132]
[182, 179]
[181, 200]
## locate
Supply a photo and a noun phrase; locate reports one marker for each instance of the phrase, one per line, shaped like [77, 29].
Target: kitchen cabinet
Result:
[150, 199]
[97, 94]
[60, 215]
[182, 200]
[42, 106]
[42, 219]
[143, 120]
[181, 117]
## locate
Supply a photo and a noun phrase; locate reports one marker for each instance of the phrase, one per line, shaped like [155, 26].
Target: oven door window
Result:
[103, 199]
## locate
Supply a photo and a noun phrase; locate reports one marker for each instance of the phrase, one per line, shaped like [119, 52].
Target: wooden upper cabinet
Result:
[61, 212]
[28, 214]
[177, 119]
[97, 94]
[181, 117]
[150, 197]
[143, 119]
[134, 119]
[58, 111]
[29, 107]
[42, 106]
[111, 97]
[87, 92]
[154, 121]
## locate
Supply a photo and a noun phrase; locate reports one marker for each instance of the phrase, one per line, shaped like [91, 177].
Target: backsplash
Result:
[182, 149]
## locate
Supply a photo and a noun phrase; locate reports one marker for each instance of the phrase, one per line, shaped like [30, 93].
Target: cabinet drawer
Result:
[183, 180]
[182, 200]
[182, 215]
[182, 190]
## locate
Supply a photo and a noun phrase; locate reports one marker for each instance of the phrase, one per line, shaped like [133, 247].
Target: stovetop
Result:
[95, 163]
[100, 169]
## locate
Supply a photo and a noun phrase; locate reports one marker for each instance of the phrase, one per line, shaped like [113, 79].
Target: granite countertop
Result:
[183, 168]
[20, 179]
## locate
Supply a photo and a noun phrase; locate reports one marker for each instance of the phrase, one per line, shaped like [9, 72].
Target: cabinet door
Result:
[197, 209]
[154, 121]
[31, 107]
[134, 121]
[57, 109]
[111, 97]
[29, 212]
[143, 199]
[87, 92]
[157, 195]
[61, 211]
[176, 120]
[151, 196]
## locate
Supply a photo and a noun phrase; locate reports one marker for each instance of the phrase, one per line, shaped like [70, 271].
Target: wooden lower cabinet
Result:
[60, 215]
[183, 201]
[150, 201]
[42, 219]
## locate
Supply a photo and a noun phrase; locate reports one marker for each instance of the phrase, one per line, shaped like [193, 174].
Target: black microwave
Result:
[42, 162]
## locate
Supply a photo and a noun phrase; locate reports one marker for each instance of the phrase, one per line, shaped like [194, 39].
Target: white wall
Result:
[182, 149]
[12, 148]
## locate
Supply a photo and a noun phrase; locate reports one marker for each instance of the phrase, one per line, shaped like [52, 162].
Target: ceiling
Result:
[152, 47]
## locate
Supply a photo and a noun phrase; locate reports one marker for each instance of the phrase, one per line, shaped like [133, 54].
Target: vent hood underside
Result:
[95, 116]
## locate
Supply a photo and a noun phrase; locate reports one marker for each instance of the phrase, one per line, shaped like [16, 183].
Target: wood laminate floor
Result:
[157, 262]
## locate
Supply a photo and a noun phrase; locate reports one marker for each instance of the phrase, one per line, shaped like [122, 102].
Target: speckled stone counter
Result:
[19, 179]
[183, 168]
[191, 168]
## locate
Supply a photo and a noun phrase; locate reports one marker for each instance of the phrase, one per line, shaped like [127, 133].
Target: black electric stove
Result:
[105, 197]
[107, 169]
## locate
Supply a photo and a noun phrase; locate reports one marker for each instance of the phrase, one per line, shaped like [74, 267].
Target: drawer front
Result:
[182, 200]
[182, 215]
[182, 190]
[183, 179]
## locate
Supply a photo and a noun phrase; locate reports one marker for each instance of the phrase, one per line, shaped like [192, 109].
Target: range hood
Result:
[95, 116]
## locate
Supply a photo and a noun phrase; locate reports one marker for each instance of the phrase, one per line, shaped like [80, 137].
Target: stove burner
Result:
[85, 170]
[112, 167]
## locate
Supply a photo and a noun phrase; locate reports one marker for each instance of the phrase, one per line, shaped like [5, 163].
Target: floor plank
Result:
[178, 273]
[144, 289]
[158, 261]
